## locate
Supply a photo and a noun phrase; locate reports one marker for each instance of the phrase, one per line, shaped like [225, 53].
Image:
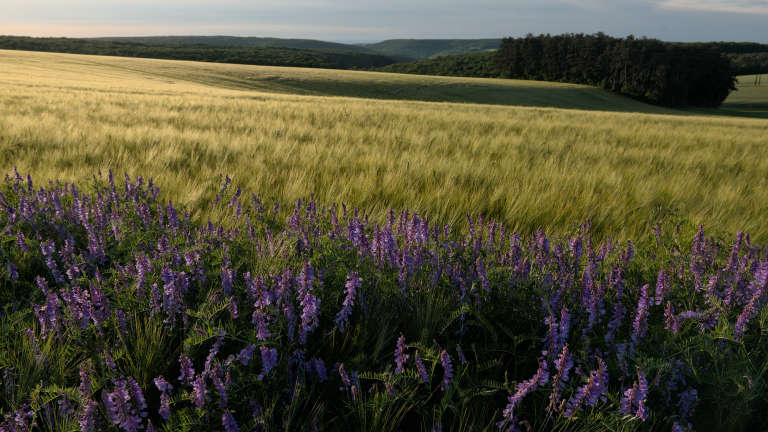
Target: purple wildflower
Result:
[120, 410]
[420, 368]
[481, 274]
[634, 399]
[217, 376]
[199, 390]
[759, 287]
[400, 355]
[521, 391]
[352, 285]
[233, 312]
[318, 366]
[344, 377]
[87, 420]
[640, 324]
[109, 361]
[260, 320]
[213, 352]
[246, 354]
[165, 401]
[687, 402]
[670, 320]
[227, 275]
[590, 393]
[85, 382]
[310, 313]
[228, 422]
[21, 420]
[187, 370]
[563, 365]
[268, 361]
[13, 272]
[445, 360]
[138, 396]
[662, 287]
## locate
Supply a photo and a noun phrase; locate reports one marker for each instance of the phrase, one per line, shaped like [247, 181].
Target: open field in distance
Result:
[284, 133]
[750, 100]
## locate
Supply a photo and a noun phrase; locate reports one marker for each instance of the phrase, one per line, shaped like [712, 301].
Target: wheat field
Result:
[278, 132]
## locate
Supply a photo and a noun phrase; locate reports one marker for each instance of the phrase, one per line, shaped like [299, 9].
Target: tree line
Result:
[663, 73]
[268, 56]
[650, 70]
[466, 65]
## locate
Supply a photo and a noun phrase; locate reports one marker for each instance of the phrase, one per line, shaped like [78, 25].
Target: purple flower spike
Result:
[187, 370]
[590, 393]
[640, 324]
[165, 401]
[199, 391]
[268, 361]
[352, 285]
[400, 355]
[662, 287]
[228, 422]
[420, 368]
[563, 365]
[521, 391]
[634, 399]
[246, 354]
[445, 360]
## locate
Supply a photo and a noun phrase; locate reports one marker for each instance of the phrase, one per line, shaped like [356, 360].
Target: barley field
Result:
[445, 147]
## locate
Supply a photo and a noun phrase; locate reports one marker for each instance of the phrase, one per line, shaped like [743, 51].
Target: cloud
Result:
[740, 7]
[149, 30]
[680, 20]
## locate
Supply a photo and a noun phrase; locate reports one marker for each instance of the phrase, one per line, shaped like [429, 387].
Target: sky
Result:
[368, 21]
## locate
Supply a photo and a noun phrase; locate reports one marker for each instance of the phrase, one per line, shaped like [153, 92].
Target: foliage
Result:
[482, 65]
[418, 49]
[234, 41]
[656, 72]
[750, 63]
[121, 313]
[268, 55]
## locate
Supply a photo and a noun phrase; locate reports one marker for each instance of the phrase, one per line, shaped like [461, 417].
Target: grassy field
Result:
[286, 133]
[750, 100]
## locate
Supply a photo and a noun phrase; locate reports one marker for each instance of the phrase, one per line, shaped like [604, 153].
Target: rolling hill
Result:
[234, 41]
[417, 49]
[377, 141]
[261, 55]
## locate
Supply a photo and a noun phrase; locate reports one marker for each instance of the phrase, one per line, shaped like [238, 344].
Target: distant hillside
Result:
[234, 41]
[748, 57]
[268, 56]
[481, 65]
[418, 49]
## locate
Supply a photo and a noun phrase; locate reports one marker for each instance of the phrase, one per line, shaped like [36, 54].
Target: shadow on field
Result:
[534, 95]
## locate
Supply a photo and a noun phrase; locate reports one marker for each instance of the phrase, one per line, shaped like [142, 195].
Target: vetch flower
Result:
[228, 422]
[563, 365]
[523, 389]
[420, 368]
[447, 364]
[400, 355]
[590, 393]
[268, 361]
[165, 401]
[634, 399]
[352, 285]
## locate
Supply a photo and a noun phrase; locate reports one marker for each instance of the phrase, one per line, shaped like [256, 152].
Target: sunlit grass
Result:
[67, 116]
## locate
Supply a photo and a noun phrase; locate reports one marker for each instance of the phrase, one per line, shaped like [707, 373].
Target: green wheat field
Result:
[530, 154]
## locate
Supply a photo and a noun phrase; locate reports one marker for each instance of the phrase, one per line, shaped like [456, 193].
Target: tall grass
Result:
[66, 117]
